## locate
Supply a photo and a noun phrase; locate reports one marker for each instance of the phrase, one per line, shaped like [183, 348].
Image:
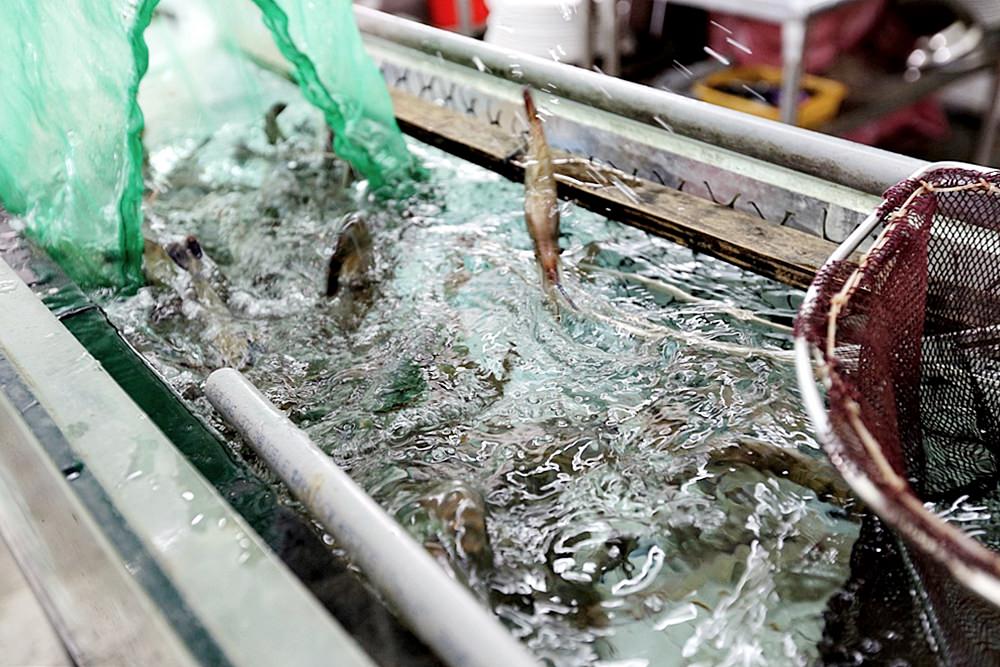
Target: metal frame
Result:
[73, 567]
[815, 406]
[761, 189]
[478, 79]
[832, 159]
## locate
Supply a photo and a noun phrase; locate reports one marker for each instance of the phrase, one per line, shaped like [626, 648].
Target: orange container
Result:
[822, 105]
[444, 13]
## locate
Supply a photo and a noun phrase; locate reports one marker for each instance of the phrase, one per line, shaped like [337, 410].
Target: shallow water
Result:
[585, 437]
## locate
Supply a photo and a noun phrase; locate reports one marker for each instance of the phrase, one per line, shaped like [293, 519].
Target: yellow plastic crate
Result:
[822, 105]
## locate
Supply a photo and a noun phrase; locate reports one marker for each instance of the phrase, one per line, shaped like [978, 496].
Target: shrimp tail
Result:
[569, 301]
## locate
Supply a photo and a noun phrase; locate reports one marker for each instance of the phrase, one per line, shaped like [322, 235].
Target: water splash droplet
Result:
[718, 56]
[742, 47]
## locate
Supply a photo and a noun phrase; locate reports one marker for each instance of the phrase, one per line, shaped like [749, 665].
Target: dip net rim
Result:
[866, 327]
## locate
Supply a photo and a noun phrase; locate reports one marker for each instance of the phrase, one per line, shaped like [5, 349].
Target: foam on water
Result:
[612, 535]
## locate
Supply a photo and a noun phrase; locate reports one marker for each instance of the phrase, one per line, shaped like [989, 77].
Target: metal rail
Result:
[843, 162]
[653, 152]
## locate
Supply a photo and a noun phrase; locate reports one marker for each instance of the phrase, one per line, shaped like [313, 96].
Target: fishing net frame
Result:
[878, 334]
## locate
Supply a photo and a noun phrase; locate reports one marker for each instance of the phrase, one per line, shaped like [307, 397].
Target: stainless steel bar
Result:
[658, 18]
[836, 160]
[102, 615]
[590, 44]
[117, 507]
[26, 633]
[760, 188]
[609, 22]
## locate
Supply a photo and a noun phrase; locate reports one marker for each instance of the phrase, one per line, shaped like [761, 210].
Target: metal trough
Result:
[160, 568]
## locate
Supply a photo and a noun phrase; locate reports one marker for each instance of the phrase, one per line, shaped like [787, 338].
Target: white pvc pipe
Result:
[438, 609]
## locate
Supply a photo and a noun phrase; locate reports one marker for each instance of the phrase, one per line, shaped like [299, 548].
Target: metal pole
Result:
[793, 41]
[588, 57]
[658, 18]
[439, 609]
[609, 21]
[835, 160]
[464, 11]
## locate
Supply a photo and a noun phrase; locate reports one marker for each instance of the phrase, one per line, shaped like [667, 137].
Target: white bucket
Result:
[556, 29]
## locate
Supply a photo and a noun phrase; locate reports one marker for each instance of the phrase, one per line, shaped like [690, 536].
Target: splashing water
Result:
[570, 471]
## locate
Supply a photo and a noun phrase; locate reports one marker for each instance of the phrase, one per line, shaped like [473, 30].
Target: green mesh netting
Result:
[335, 73]
[70, 147]
[70, 151]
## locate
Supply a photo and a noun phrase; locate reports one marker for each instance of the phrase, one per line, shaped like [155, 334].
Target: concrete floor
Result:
[27, 639]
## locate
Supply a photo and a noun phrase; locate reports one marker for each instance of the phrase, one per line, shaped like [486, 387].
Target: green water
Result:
[587, 440]
[71, 126]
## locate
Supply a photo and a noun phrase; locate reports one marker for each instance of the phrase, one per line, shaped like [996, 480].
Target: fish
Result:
[813, 473]
[582, 587]
[271, 129]
[351, 286]
[462, 510]
[462, 540]
[158, 267]
[182, 267]
[541, 204]
[352, 261]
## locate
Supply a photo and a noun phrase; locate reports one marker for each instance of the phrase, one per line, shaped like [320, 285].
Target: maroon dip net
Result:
[906, 342]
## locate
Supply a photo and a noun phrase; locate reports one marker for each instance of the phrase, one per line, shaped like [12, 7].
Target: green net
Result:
[335, 73]
[70, 126]
[70, 150]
